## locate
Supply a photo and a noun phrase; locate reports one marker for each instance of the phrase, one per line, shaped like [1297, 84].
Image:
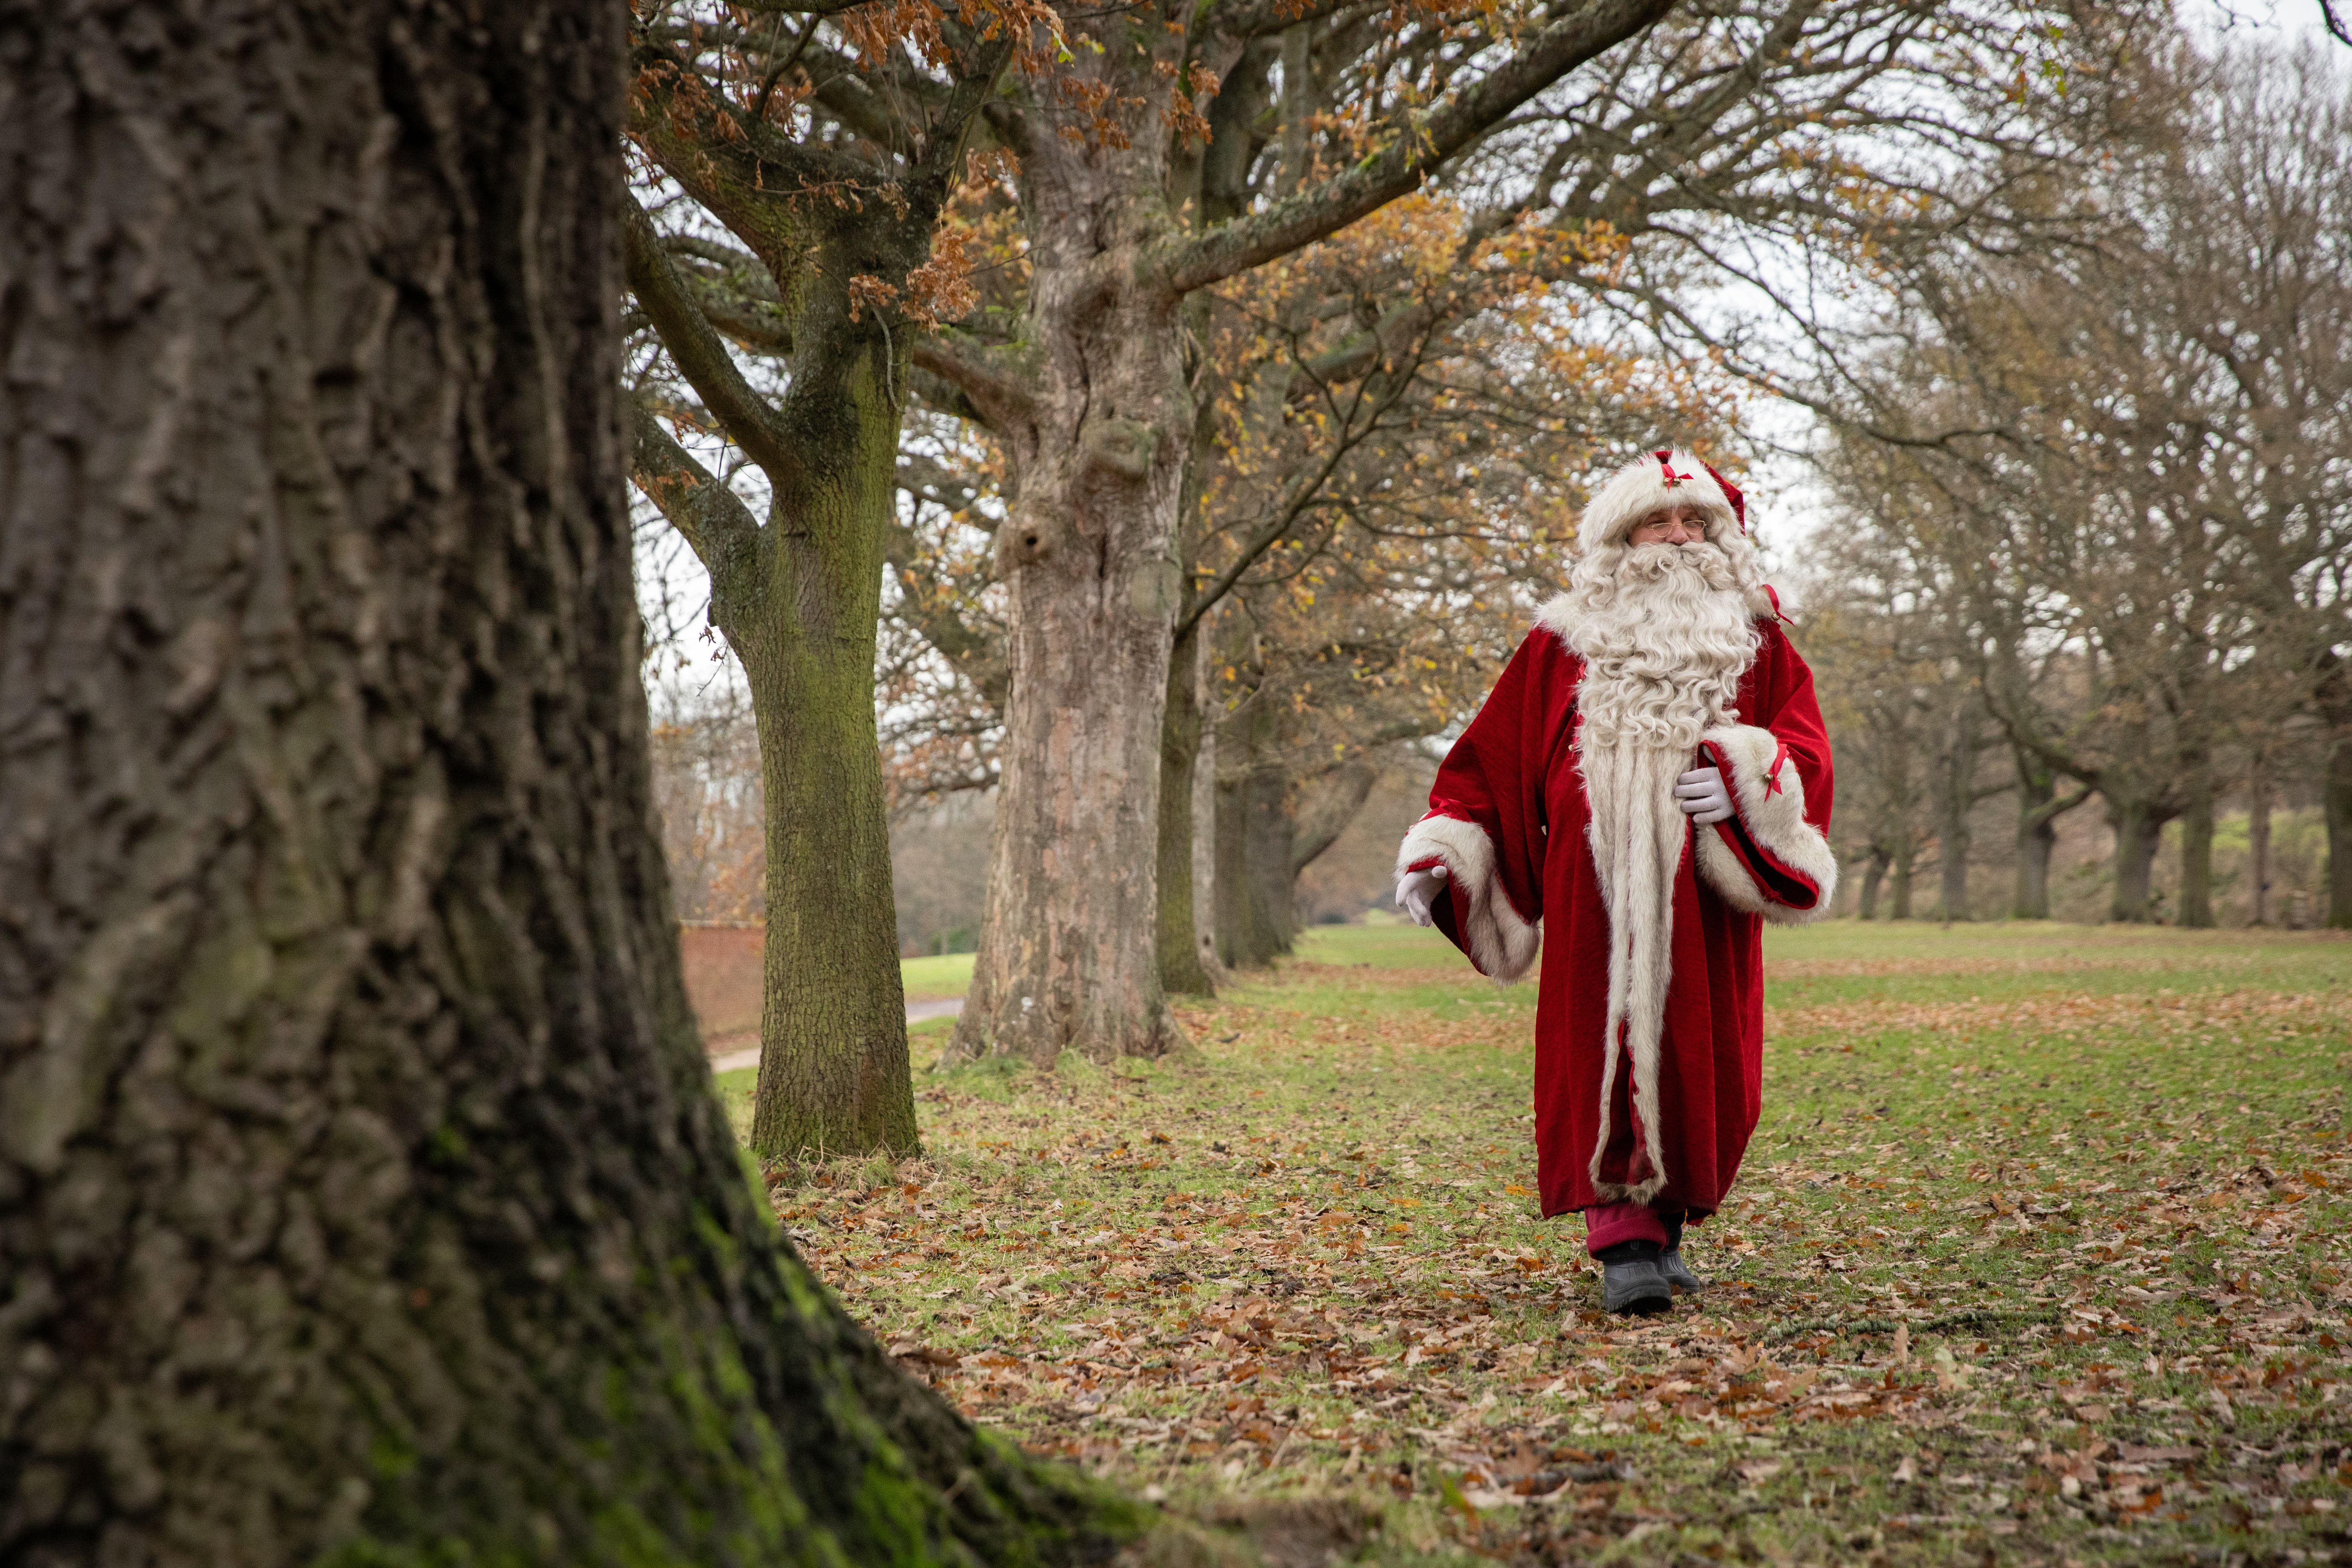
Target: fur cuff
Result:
[1500, 942]
[1767, 859]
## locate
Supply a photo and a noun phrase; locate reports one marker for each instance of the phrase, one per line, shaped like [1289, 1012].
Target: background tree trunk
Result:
[1070, 953]
[798, 601]
[834, 1072]
[1956, 796]
[2037, 836]
[361, 1190]
[1318, 821]
[2335, 801]
[2258, 840]
[2137, 827]
[1257, 917]
[1874, 876]
[1899, 897]
[2196, 850]
[1256, 837]
[1182, 971]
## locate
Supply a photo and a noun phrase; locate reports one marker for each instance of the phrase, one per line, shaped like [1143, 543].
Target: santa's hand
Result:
[1703, 797]
[1416, 891]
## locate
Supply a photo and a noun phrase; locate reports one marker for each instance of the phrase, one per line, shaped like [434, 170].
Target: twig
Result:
[1972, 1315]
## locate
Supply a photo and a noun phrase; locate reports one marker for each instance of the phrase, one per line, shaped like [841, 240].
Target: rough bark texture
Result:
[1068, 954]
[362, 1197]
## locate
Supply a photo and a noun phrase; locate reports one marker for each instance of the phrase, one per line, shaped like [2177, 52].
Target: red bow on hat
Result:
[1730, 491]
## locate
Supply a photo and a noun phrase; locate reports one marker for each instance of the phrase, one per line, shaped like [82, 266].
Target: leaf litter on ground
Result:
[2028, 1263]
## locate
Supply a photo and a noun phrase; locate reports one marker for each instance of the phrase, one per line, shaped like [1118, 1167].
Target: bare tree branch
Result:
[709, 517]
[1418, 147]
[695, 347]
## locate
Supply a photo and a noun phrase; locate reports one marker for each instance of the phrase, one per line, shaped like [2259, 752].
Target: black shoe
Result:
[1630, 1280]
[1670, 1262]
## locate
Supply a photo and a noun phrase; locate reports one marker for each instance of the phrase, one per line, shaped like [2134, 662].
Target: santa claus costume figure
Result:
[1648, 782]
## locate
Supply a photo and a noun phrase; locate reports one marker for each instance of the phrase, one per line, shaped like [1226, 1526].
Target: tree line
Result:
[2094, 511]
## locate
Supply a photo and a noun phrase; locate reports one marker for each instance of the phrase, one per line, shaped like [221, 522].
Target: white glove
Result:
[1703, 797]
[1417, 890]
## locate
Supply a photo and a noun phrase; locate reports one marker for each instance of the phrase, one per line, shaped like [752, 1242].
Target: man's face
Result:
[1676, 524]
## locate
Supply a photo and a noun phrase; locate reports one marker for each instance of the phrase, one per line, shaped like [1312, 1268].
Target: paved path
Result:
[916, 1012]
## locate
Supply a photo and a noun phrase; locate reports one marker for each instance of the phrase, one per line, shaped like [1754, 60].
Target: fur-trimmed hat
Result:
[1647, 484]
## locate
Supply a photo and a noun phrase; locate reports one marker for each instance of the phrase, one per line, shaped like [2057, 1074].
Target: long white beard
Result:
[1664, 644]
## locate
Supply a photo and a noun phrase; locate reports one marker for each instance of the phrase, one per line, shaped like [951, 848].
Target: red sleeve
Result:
[1772, 855]
[1485, 821]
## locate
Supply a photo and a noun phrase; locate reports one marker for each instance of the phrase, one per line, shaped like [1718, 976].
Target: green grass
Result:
[2096, 1177]
[936, 979]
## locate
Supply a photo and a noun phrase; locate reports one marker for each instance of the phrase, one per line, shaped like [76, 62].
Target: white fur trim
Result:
[1775, 819]
[1504, 944]
[1638, 488]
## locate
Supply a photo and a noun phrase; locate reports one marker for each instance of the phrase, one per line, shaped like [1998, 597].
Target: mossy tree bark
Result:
[798, 598]
[363, 1196]
[1183, 970]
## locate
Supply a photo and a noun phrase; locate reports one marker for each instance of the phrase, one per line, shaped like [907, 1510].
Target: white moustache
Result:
[1701, 560]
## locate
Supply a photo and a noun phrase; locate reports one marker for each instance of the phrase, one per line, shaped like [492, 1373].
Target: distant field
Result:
[2040, 1256]
[724, 966]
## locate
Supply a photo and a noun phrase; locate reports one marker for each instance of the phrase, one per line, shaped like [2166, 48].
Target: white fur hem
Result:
[1775, 820]
[1503, 943]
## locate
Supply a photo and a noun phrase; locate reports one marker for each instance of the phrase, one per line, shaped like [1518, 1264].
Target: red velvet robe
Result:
[1508, 817]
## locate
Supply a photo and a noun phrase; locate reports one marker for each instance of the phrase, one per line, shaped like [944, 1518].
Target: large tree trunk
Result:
[798, 601]
[834, 1072]
[1069, 952]
[1899, 892]
[2196, 850]
[362, 1191]
[2137, 828]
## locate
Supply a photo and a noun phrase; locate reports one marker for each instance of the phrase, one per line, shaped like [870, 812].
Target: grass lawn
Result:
[2039, 1256]
[936, 979]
